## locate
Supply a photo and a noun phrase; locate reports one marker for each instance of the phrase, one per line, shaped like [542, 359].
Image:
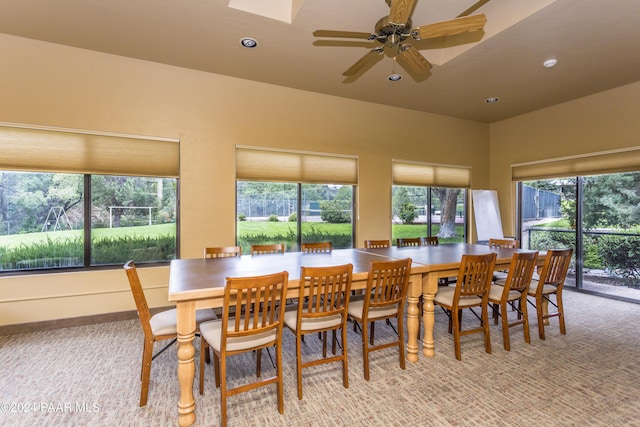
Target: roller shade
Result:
[69, 151]
[606, 162]
[257, 164]
[430, 175]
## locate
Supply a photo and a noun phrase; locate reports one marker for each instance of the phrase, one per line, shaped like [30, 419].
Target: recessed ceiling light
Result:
[394, 77]
[249, 42]
[550, 63]
[492, 100]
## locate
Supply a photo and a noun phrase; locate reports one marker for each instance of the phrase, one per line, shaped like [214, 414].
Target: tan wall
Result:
[51, 85]
[604, 121]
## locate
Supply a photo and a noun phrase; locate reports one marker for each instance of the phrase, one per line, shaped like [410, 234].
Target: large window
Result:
[43, 220]
[428, 211]
[548, 216]
[57, 211]
[132, 218]
[294, 197]
[598, 215]
[271, 212]
[429, 200]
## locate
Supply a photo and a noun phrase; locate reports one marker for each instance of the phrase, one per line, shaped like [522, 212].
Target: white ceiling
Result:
[595, 42]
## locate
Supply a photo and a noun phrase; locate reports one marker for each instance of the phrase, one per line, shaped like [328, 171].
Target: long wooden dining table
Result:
[199, 283]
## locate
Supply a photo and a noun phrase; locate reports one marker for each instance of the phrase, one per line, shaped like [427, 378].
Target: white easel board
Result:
[487, 215]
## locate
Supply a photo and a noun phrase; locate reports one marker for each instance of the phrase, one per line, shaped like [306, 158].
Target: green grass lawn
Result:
[402, 231]
[269, 228]
[15, 240]
[562, 223]
[244, 228]
[283, 228]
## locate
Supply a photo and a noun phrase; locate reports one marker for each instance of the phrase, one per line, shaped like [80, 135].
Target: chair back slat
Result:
[475, 274]
[430, 241]
[324, 291]
[276, 248]
[372, 244]
[556, 265]
[504, 243]
[317, 247]
[222, 251]
[521, 271]
[256, 301]
[387, 283]
[403, 242]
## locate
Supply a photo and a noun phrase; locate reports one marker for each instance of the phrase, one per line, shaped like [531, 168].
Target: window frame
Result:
[87, 237]
[299, 195]
[429, 202]
[579, 253]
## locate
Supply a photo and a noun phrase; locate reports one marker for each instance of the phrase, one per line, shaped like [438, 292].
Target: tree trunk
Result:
[448, 202]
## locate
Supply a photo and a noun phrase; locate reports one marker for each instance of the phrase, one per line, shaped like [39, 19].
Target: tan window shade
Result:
[53, 150]
[627, 160]
[431, 175]
[256, 164]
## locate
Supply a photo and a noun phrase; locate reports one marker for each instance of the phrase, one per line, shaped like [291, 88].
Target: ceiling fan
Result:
[393, 34]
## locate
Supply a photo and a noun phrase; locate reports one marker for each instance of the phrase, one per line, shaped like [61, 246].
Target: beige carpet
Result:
[89, 376]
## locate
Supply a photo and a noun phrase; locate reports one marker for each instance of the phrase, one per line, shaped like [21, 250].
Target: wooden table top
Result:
[442, 257]
[200, 277]
[206, 277]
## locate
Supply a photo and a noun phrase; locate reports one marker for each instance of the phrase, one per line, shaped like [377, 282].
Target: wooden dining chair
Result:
[222, 251]
[373, 244]
[471, 290]
[408, 241]
[317, 247]
[514, 289]
[429, 241]
[276, 248]
[504, 243]
[384, 299]
[550, 282]
[500, 276]
[257, 324]
[323, 298]
[159, 327]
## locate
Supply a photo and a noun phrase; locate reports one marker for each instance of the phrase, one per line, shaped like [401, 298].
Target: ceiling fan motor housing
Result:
[392, 32]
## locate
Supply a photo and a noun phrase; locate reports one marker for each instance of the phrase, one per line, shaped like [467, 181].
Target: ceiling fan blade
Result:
[344, 34]
[346, 43]
[401, 11]
[412, 60]
[477, 5]
[370, 57]
[451, 27]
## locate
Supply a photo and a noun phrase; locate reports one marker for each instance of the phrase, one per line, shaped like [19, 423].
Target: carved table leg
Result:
[186, 362]
[430, 287]
[415, 288]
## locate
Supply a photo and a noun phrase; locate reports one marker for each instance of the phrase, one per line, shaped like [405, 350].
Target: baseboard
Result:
[21, 328]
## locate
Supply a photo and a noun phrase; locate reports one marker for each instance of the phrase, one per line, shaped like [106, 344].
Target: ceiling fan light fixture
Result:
[492, 100]
[394, 77]
[249, 42]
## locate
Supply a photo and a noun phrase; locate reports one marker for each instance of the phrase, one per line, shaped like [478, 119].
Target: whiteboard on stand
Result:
[487, 215]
